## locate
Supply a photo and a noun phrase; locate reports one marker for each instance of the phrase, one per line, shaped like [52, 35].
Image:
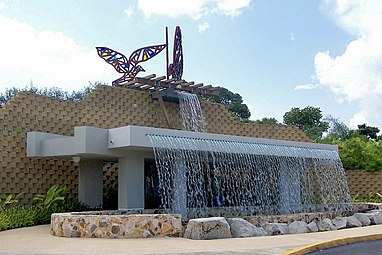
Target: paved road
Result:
[361, 248]
[38, 241]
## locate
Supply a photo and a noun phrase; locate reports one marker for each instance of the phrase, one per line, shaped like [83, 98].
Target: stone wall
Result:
[104, 107]
[361, 182]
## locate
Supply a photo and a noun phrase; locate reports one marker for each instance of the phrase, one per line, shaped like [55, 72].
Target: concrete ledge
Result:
[332, 243]
[115, 225]
[94, 142]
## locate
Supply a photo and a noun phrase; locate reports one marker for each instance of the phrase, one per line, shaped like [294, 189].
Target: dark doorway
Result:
[152, 198]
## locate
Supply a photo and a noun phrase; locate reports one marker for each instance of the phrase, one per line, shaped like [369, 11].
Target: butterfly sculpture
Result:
[176, 68]
[129, 67]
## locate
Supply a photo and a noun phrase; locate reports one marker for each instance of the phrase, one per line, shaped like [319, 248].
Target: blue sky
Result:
[277, 54]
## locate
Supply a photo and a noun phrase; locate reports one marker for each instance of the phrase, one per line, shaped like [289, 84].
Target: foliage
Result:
[54, 200]
[269, 121]
[337, 129]
[52, 196]
[358, 149]
[370, 198]
[368, 131]
[50, 92]
[17, 217]
[8, 200]
[357, 153]
[308, 120]
[233, 102]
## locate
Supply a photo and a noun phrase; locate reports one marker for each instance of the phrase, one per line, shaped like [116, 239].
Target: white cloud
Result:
[356, 120]
[292, 38]
[129, 11]
[203, 27]
[2, 6]
[307, 86]
[47, 58]
[195, 9]
[232, 8]
[356, 75]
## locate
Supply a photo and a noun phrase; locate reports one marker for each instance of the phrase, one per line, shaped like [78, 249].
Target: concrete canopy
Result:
[91, 142]
[131, 146]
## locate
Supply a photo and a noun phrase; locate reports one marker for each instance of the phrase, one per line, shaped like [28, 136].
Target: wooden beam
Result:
[161, 103]
[159, 78]
[150, 76]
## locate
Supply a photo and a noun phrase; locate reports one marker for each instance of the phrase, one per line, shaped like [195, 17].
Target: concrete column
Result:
[90, 187]
[131, 180]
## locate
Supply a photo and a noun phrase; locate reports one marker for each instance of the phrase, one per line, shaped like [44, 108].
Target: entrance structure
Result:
[131, 146]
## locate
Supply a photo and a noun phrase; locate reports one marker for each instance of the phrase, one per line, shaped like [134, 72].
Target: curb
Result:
[332, 243]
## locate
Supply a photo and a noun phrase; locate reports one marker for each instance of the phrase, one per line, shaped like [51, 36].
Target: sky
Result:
[277, 54]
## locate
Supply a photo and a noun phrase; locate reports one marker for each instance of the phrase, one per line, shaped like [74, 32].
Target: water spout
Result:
[191, 112]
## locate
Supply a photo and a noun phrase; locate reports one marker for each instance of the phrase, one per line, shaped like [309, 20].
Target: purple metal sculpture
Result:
[176, 68]
[129, 67]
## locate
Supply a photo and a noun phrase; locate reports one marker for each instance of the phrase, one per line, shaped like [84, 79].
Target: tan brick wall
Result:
[105, 107]
[362, 182]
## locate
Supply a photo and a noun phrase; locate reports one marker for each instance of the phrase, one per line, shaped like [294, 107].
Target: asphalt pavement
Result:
[360, 248]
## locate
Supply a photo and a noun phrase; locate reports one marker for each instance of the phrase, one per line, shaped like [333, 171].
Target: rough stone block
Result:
[352, 222]
[208, 228]
[298, 227]
[339, 222]
[276, 229]
[242, 228]
[325, 225]
[375, 217]
[312, 227]
[362, 217]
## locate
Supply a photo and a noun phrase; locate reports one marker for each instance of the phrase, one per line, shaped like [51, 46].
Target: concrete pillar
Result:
[131, 180]
[90, 187]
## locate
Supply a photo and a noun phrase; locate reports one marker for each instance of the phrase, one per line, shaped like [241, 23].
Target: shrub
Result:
[51, 197]
[13, 215]
[17, 217]
[8, 200]
[357, 153]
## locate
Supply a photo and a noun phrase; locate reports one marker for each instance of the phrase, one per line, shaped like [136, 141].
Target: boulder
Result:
[375, 217]
[339, 222]
[312, 227]
[207, 228]
[325, 225]
[298, 227]
[276, 229]
[362, 217]
[352, 222]
[242, 228]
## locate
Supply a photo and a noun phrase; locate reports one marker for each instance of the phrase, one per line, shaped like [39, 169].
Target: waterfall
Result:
[191, 112]
[244, 178]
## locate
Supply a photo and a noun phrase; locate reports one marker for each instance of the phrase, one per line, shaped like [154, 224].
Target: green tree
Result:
[50, 92]
[269, 121]
[337, 129]
[309, 120]
[358, 153]
[233, 102]
[368, 131]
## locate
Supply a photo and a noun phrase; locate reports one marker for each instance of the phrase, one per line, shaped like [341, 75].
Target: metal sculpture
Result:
[129, 67]
[176, 68]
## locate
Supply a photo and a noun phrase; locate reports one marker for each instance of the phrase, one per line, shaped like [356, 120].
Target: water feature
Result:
[247, 178]
[191, 112]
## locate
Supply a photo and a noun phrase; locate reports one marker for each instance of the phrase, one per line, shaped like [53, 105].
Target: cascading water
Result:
[244, 178]
[191, 112]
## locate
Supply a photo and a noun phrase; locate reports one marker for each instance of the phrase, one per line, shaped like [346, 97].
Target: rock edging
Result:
[219, 227]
